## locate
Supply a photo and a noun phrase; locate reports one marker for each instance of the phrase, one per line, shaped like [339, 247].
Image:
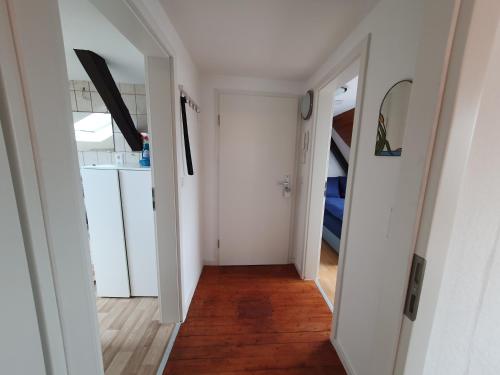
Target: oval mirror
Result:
[306, 105]
[392, 119]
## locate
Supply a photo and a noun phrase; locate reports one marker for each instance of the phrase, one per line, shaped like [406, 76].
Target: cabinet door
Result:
[138, 219]
[107, 243]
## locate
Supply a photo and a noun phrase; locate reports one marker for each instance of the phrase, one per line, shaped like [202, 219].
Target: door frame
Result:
[473, 28]
[318, 172]
[218, 93]
[160, 82]
[44, 168]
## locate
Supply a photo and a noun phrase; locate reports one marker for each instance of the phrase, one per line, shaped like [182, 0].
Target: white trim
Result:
[362, 53]
[343, 358]
[39, 46]
[21, 158]
[323, 294]
[129, 20]
[159, 95]
[359, 53]
[168, 349]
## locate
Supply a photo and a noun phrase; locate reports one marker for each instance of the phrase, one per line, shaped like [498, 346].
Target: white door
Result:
[256, 153]
[139, 223]
[107, 242]
[20, 342]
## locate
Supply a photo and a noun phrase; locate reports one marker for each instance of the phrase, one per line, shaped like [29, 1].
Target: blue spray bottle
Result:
[145, 157]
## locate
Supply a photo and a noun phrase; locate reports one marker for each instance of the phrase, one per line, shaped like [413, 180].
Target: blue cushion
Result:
[332, 223]
[342, 185]
[335, 206]
[332, 187]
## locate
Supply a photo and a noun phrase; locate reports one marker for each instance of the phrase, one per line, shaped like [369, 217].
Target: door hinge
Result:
[153, 198]
[414, 287]
[218, 119]
[218, 244]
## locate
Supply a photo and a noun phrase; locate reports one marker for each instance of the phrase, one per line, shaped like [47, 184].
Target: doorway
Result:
[110, 112]
[344, 107]
[256, 163]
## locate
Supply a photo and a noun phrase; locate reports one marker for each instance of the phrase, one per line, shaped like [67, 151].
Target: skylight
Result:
[96, 127]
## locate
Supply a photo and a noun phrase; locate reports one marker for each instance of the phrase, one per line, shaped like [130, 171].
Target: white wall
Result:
[395, 27]
[186, 74]
[334, 168]
[191, 211]
[209, 134]
[465, 338]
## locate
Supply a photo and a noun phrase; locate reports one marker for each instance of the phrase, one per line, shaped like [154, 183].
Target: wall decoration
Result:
[306, 105]
[392, 119]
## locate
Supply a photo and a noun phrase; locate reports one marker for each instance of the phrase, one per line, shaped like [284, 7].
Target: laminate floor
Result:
[250, 320]
[328, 264]
[133, 340]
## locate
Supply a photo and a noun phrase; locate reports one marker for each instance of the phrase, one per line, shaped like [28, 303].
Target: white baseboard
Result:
[168, 349]
[343, 357]
[318, 285]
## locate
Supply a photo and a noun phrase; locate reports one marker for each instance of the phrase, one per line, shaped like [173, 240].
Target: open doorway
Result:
[107, 90]
[343, 107]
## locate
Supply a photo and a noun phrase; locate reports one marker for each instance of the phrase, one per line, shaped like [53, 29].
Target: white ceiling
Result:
[347, 100]
[84, 27]
[280, 39]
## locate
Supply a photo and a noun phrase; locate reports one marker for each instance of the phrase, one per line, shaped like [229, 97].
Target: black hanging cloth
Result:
[187, 147]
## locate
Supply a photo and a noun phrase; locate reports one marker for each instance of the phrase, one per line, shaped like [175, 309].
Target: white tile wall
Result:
[90, 158]
[81, 85]
[140, 101]
[84, 98]
[105, 157]
[97, 103]
[119, 142]
[140, 89]
[132, 158]
[83, 101]
[126, 88]
[142, 123]
[73, 100]
[129, 101]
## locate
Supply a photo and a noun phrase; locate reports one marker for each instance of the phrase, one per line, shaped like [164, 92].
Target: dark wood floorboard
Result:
[255, 320]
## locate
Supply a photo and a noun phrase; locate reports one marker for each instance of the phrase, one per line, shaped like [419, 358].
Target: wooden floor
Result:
[328, 264]
[133, 340]
[253, 320]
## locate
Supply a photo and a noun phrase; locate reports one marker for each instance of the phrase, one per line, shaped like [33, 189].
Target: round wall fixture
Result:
[306, 105]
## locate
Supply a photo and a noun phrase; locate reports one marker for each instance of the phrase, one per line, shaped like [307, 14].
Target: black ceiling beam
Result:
[338, 156]
[101, 77]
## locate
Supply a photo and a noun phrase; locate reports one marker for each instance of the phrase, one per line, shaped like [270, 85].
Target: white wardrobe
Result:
[121, 230]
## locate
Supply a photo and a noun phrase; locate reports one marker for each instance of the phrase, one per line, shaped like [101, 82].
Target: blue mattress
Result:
[333, 224]
[334, 212]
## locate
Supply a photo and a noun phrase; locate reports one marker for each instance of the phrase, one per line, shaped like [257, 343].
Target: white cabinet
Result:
[139, 223]
[107, 241]
[121, 230]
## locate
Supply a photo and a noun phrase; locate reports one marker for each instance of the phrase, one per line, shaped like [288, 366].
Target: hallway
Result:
[255, 320]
